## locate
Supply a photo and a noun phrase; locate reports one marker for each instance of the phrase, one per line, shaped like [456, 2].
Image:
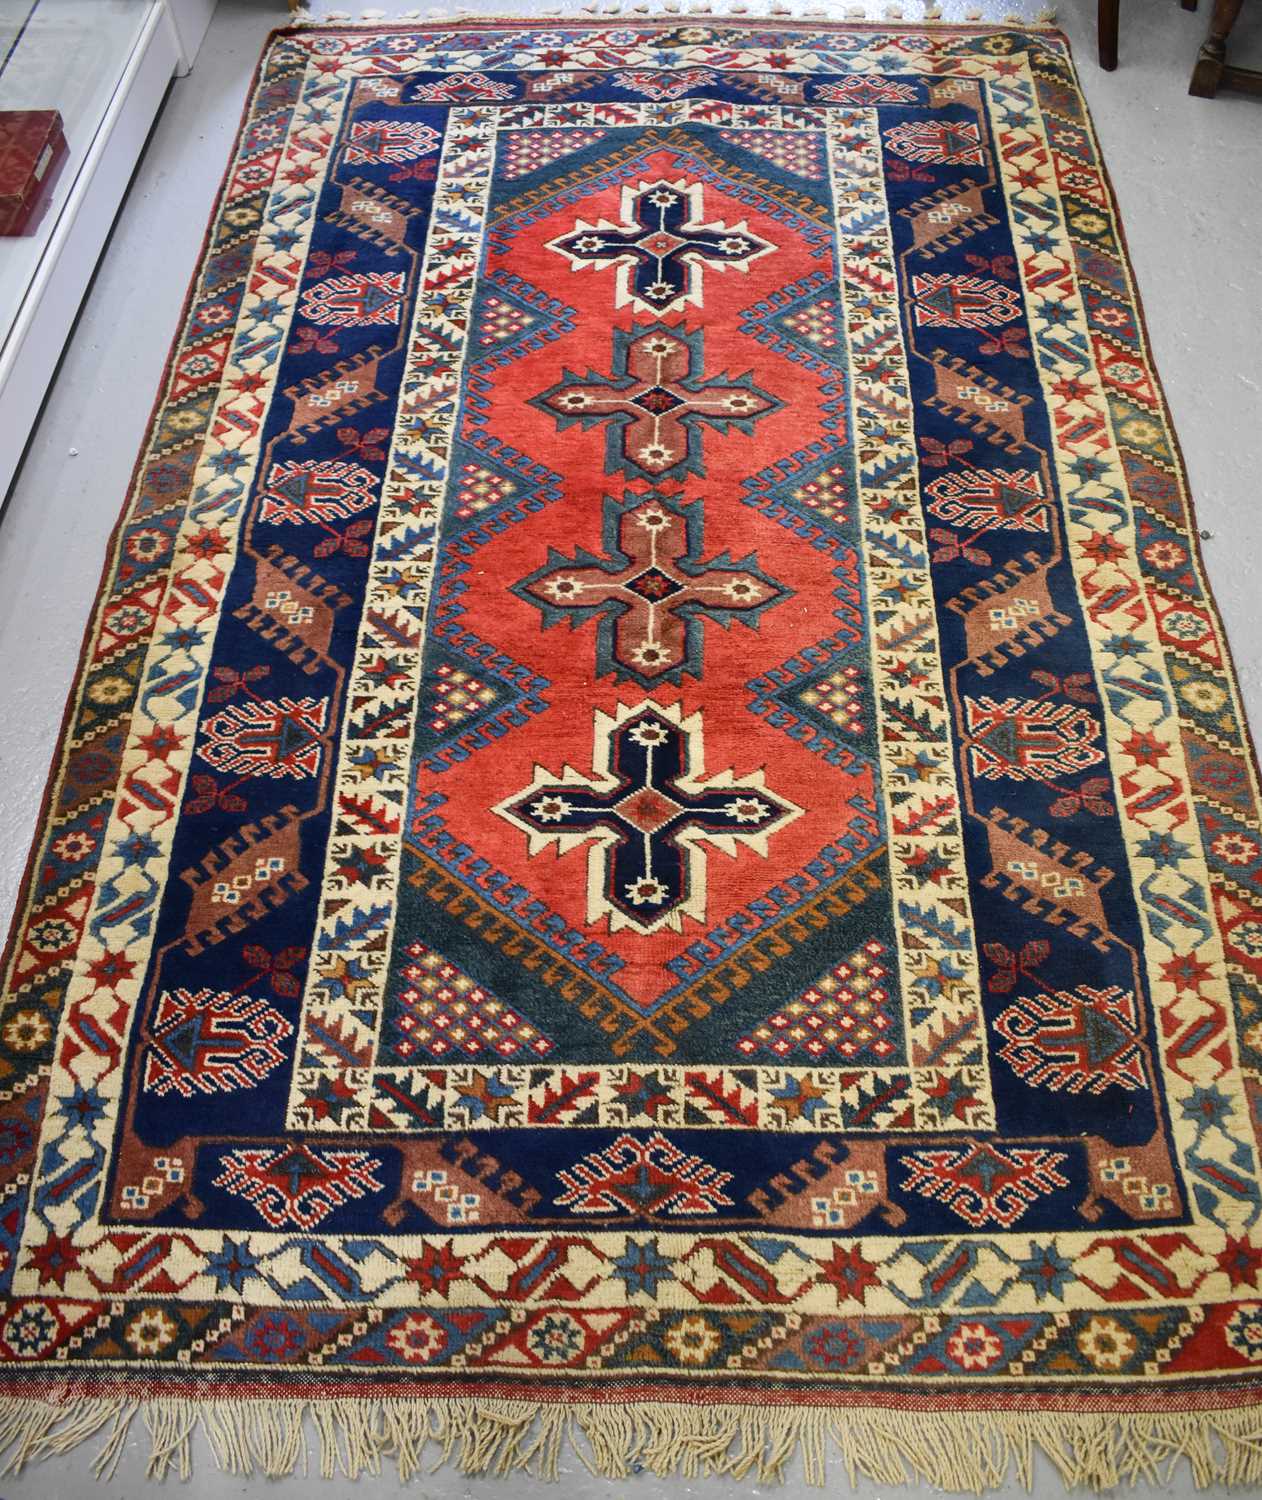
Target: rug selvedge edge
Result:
[1166, 1437]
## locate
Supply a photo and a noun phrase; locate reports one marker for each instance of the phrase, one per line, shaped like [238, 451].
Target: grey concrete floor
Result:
[1188, 173]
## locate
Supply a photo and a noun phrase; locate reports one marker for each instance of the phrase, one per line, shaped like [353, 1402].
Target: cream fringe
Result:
[968, 1451]
[925, 12]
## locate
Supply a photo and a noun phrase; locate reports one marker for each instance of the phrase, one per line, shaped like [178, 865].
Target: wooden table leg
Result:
[1106, 33]
[1212, 58]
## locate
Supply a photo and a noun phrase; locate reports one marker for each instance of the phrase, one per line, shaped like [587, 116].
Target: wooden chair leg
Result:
[1212, 57]
[1106, 33]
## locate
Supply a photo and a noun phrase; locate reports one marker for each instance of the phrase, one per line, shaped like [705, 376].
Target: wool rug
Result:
[655, 847]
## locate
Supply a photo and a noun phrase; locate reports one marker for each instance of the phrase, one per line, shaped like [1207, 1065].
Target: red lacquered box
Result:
[32, 148]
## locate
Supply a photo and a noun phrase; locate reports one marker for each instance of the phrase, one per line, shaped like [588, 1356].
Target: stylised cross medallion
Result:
[647, 816]
[656, 402]
[652, 592]
[662, 247]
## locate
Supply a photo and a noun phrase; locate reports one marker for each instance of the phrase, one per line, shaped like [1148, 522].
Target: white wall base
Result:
[189, 19]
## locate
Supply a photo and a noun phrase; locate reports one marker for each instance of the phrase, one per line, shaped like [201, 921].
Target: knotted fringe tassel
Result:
[967, 1451]
[919, 12]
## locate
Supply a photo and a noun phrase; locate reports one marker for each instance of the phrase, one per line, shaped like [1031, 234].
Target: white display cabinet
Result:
[105, 65]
